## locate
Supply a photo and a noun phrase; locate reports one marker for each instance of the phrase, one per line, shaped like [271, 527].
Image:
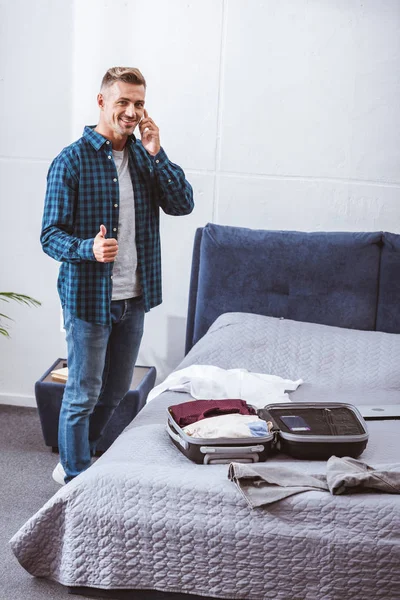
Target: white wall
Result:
[284, 115]
[35, 123]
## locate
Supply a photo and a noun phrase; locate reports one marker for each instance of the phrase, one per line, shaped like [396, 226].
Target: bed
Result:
[145, 522]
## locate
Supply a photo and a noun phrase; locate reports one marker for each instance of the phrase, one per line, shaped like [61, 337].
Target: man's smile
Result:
[127, 121]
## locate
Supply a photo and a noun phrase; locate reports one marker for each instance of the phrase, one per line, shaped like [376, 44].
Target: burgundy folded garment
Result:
[191, 412]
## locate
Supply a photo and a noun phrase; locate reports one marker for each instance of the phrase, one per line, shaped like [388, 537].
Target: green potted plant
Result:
[22, 299]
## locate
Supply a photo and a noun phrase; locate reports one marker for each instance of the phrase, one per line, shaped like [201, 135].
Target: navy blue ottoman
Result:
[49, 395]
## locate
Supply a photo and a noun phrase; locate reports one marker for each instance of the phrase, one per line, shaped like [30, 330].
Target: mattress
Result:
[144, 516]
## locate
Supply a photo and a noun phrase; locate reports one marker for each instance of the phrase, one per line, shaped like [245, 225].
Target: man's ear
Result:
[100, 101]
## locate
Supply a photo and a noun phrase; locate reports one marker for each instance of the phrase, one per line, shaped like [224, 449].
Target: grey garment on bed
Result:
[265, 484]
[348, 475]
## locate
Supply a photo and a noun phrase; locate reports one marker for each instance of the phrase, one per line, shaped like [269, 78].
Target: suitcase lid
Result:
[316, 421]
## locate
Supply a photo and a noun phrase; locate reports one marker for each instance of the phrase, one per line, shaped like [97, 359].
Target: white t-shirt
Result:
[125, 279]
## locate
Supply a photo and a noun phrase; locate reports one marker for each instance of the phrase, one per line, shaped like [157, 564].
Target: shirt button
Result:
[107, 142]
[169, 180]
[157, 161]
[111, 277]
[115, 205]
[115, 179]
[115, 229]
[109, 156]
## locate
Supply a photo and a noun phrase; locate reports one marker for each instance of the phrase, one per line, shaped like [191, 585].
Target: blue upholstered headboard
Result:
[344, 279]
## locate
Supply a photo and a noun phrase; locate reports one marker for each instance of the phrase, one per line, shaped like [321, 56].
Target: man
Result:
[101, 220]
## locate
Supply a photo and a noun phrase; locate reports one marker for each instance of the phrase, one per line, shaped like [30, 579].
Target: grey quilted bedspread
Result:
[144, 516]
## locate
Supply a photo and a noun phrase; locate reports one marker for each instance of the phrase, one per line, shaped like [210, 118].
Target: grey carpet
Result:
[25, 485]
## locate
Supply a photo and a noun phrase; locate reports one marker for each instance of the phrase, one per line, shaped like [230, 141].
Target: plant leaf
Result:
[21, 298]
[5, 317]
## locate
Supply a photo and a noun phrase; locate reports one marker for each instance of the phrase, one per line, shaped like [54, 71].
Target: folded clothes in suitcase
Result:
[315, 430]
[206, 450]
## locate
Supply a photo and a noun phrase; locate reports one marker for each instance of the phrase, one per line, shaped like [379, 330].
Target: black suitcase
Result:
[304, 430]
[317, 430]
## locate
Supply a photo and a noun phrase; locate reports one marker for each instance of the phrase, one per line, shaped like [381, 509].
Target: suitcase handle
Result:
[227, 454]
[210, 459]
[231, 449]
[176, 437]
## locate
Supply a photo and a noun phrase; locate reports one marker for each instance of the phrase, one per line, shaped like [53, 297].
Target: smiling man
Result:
[101, 221]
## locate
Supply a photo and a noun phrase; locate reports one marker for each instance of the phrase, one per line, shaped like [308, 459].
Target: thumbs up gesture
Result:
[104, 250]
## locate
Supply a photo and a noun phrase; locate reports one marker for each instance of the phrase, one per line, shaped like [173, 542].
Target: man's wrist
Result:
[153, 154]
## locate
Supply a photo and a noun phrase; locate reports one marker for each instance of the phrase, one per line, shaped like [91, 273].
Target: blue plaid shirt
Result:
[83, 193]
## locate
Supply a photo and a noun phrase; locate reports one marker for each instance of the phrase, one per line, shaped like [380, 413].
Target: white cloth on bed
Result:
[207, 382]
[228, 426]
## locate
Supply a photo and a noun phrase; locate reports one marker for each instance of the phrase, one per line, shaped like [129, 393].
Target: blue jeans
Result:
[101, 360]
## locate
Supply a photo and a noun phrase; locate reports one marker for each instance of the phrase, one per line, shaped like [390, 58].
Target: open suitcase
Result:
[219, 450]
[315, 430]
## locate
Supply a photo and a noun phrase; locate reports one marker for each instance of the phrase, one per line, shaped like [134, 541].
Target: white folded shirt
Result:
[223, 426]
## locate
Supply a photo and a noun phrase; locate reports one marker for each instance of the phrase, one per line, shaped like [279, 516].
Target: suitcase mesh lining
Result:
[321, 421]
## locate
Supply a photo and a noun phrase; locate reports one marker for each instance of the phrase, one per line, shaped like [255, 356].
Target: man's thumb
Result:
[102, 231]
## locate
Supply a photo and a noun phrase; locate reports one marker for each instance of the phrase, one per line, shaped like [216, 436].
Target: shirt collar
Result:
[97, 140]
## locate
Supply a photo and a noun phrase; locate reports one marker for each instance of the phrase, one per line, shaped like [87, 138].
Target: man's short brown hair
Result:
[125, 74]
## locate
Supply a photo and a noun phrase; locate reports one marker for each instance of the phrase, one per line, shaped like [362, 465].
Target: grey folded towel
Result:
[263, 484]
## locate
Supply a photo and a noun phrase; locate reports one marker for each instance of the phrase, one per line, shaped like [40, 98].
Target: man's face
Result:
[122, 107]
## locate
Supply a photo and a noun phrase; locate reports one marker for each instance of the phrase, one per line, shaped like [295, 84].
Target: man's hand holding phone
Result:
[150, 134]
